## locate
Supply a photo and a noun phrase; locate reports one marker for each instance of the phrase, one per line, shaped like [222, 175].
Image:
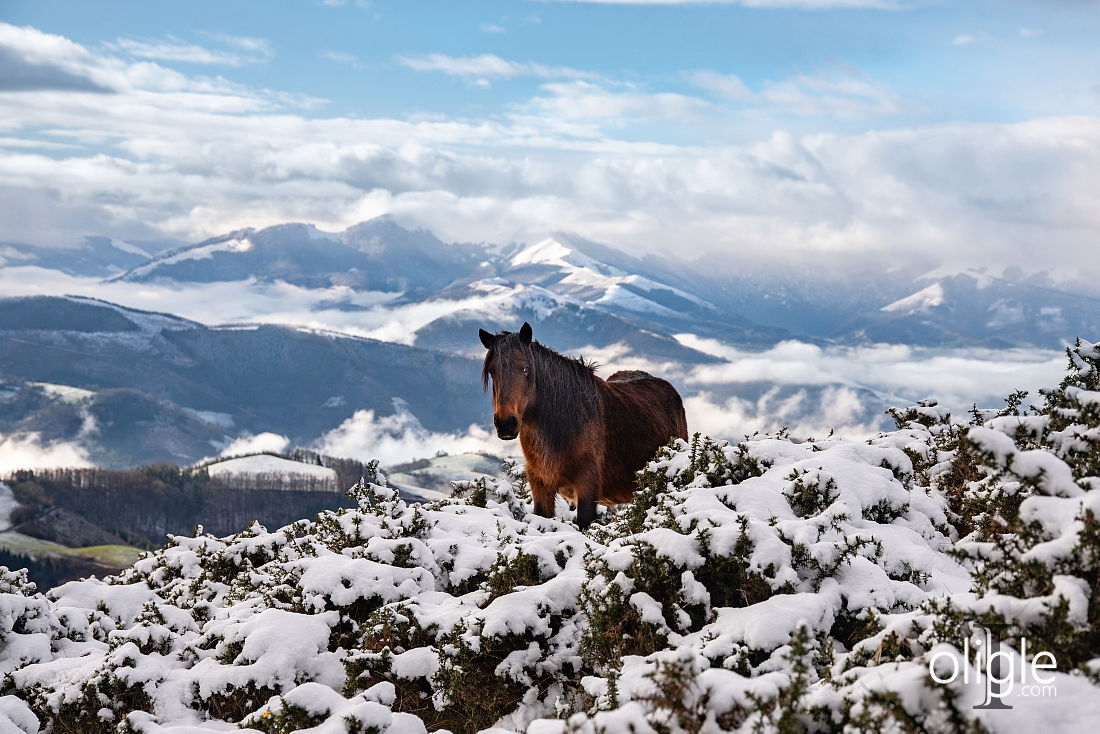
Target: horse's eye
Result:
[526, 370]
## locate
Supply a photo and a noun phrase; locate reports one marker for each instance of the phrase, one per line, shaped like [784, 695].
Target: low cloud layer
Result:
[400, 437]
[259, 443]
[28, 451]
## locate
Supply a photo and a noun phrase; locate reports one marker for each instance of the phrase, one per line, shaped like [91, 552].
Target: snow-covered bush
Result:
[767, 585]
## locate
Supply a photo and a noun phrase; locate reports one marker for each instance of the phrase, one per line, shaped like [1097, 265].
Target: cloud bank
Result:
[94, 143]
[28, 451]
[400, 437]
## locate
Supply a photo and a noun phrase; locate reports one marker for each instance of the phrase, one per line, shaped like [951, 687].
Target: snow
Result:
[982, 279]
[417, 663]
[149, 322]
[267, 464]
[315, 234]
[224, 420]
[198, 252]
[129, 247]
[617, 296]
[923, 299]
[598, 283]
[16, 717]
[66, 393]
[742, 567]
[552, 252]
[7, 504]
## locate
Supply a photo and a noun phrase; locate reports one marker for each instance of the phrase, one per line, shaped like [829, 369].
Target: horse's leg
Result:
[543, 495]
[587, 490]
[586, 510]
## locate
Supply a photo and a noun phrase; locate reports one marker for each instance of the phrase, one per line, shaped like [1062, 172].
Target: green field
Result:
[109, 556]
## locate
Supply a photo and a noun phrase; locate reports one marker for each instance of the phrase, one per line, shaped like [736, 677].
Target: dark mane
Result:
[567, 396]
[566, 390]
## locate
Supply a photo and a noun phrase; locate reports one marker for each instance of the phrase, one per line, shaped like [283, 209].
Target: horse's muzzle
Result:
[507, 428]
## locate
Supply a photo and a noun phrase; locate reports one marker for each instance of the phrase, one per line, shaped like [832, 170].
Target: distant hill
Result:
[163, 388]
[375, 255]
[92, 256]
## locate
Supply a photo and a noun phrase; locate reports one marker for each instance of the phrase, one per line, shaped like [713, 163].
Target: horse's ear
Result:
[525, 333]
[486, 338]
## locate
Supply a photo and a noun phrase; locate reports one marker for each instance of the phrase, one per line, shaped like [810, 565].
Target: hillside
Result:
[161, 388]
[764, 586]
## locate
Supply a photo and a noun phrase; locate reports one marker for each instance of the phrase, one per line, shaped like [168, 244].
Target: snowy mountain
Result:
[582, 295]
[976, 308]
[587, 288]
[376, 255]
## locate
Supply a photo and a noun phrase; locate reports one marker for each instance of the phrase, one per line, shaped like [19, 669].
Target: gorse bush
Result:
[764, 586]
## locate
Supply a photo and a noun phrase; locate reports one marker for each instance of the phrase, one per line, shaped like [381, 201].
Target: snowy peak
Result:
[599, 276]
[922, 300]
[972, 306]
[555, 252]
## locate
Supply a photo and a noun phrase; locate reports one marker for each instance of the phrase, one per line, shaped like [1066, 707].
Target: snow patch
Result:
[923, 299]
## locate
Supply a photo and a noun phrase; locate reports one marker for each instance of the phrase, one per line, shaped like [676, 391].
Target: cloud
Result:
[489, 66]
[582, 100]
[246, 50]
[1025, 32]
[252, 444]
[33, 60]
[729, 86]
[28, 451]
[804, 94]
[341, 58]
[966, 39]
[175, 156]
[840, 97]
[21, 75]
[898, 374]
[839, 410]
[400, 437]
[491, 28]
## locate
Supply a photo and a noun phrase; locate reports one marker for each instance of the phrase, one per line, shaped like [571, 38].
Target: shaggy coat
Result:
[582, 437]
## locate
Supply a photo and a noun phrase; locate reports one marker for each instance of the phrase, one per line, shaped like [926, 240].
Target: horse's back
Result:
[641, 413]
[651, 399]
[631, 376]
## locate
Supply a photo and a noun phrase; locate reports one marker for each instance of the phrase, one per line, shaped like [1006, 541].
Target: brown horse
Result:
[582, 437]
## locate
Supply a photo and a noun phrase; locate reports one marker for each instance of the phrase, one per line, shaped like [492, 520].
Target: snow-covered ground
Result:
[433, 480]
[65, 393]
[764, 586]
[266, 464]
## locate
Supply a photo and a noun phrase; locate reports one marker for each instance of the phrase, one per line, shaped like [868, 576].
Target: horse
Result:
[582, 437]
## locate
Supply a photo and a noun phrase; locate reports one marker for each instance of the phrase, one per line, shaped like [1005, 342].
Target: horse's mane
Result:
[567, 392]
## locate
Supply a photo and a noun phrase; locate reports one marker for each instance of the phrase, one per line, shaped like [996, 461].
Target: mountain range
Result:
[618, 296]
[135, 387]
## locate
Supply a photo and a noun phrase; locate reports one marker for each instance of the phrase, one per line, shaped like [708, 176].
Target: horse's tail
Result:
[679, 420]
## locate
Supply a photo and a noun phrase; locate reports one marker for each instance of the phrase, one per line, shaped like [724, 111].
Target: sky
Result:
[966, 133]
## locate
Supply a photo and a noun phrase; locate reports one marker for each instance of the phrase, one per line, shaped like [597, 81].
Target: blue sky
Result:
[946, 61]
[828, 125]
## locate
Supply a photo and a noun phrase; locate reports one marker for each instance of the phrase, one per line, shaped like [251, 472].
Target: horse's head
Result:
[508, 363]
